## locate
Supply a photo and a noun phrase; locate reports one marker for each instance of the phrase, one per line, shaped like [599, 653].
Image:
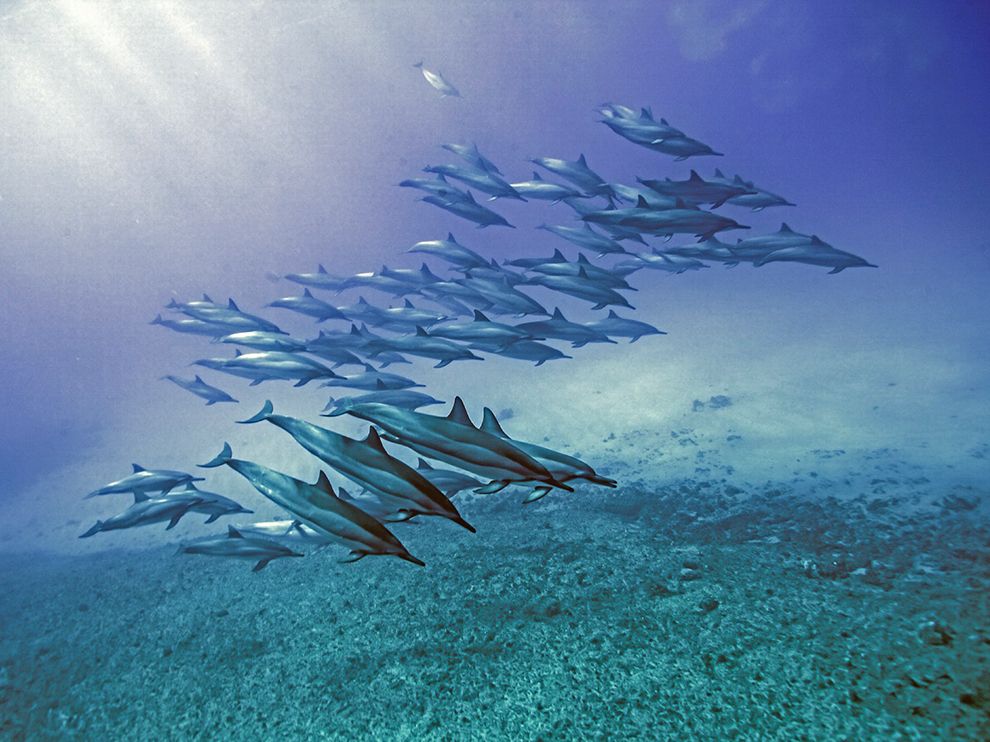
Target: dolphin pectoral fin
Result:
[262, 563]
[212, 518]
[496, 485]
[537, 494]
[441, 364]
[175, 519]
[355, 555]
[255, 382]
[836, 270]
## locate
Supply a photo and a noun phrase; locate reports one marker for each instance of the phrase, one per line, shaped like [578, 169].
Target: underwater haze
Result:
[798, 544]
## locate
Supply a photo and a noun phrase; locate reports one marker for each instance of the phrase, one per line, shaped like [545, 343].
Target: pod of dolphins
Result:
[466, 313]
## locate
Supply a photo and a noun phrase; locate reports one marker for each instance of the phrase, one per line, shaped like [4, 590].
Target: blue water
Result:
[798, 543]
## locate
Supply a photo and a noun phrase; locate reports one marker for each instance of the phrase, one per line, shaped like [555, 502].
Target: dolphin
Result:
[319, 280]
[454, 440]
[560, 328]
[144, 512]
[448, 481]
[192, 326]
[472, 155]
[525, 350]
[582, 287]
[407, 316]
[470, 210]
[544, 190]
[480, 180]
[481, 330]
[661, 261]
[697, 190]
[284, 531]
[585, 237]
[367, 463]
[372, 280]
[758, 200]
[201, 389]
[450, 250]
[447, 289]
[374, 380]
[318, 506]
[494, 272]
[622, 327]
[146, 480]
[361, 311]
[230, 316]
[205, 302]
[632, 194]
[214, 505]
[707, 248]
[577, 172]
[682, 148]
[617, 231]
[240, 546]
[423, 344]
[270, 365]
[339, 356]
[529, 263]
[309, 305]
[565, 468]
[645, 132]
[679, 220]
[260, 340]
[438, 186]
[438, 82]
[602, 276]
[404, 398]
[414, 277]
[388, 357]
[816, 252]
[754, 248]
[503, 296]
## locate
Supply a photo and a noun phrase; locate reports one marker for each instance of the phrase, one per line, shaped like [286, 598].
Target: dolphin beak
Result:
[462, 523]
[410, 558]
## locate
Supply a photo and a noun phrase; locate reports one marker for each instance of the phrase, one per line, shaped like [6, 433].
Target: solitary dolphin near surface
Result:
[438, 82]
[622, 327]
[563, 467]
[146, 480]
[319, 507]
[454, 440]
[201, 389]
[145, 512]
[240, 546]
[367, 463]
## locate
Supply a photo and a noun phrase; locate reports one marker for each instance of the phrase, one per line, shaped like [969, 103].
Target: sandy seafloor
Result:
[819, 606]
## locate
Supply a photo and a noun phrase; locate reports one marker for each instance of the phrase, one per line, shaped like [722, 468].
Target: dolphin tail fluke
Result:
[97, 527]
[220, 459]
[263, 414]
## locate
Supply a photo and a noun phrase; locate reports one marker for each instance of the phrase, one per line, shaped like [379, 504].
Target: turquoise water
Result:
[797, 547]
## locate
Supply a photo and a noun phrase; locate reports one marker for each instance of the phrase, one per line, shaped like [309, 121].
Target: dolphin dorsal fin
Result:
[232, 305]
[408, 305]
[423, 464]
[646, 113]
[680, 204]
[321, 269]
[718, 174]
[664, 122]
[459, 414]
[737, 180]
[137, 468]
[581, 160]
[583, 260]
[557, 314]
[479, 316]
[237, 353]
[612, 314]
[450, 238]
[323, 483]
[362, 300]
[355, 330]
[421, 333]
[785, 228]
[536, 176]
[374, 440]
[490, 424]
[369, 368]
[233, 533]
[695, 177]
[380, 385]
[642, 203]
[558, 255]
[198, 380]
[816, 240]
